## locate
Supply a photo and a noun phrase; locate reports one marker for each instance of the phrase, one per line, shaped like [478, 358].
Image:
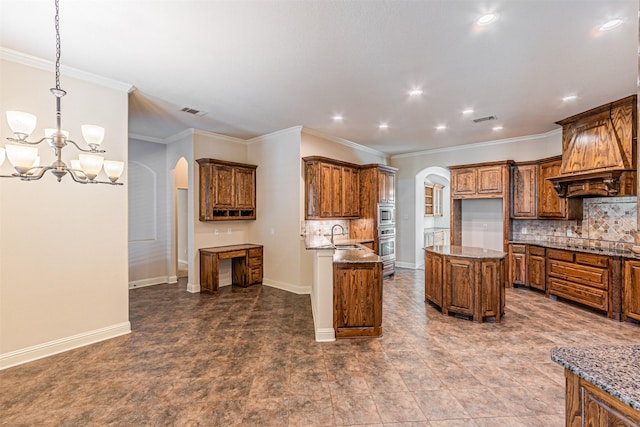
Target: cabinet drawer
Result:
[560, 254]
[589, 276]
[233, 254]
[592, 259]
[255, 261]
[255, 275]
[587, 295]
[255, 252]
[536, 250]
[519, 249]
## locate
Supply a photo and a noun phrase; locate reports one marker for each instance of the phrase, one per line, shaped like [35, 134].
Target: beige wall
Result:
[63, 246]
[409, 165]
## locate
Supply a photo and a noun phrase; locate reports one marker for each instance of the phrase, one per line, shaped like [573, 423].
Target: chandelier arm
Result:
[24, 141]
[84, 149]
[107, 182]
[72, 173]
[43, 169]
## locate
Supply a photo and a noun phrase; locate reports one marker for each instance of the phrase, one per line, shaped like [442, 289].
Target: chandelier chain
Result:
[57, 24]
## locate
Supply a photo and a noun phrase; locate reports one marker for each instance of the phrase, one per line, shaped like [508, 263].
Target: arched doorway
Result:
[434, 175]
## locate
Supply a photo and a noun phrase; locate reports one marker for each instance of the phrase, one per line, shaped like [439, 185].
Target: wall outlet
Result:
[485, 226]
[215, 232]
[569, 233]
[523, 230]
[229, 231]
[273, 231]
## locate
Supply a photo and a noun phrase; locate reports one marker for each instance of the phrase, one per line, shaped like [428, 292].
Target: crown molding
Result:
[146, 138]
[43, 64]
[219, 136]
[293, 129]
[478, 144]
[342, 141]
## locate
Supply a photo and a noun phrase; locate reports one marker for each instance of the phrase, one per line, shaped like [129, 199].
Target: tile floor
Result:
[247, 357]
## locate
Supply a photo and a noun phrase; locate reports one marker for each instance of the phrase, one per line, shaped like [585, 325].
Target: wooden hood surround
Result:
[599, 151]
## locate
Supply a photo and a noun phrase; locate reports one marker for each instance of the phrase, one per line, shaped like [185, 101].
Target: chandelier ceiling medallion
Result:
[24, 156]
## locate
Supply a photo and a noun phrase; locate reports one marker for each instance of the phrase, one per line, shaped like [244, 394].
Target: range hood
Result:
[599, 151]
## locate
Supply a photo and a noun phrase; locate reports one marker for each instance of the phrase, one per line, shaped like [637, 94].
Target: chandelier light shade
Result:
[22, 157]
[23, 154]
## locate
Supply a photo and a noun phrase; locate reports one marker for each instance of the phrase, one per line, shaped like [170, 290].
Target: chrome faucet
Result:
[333, 228]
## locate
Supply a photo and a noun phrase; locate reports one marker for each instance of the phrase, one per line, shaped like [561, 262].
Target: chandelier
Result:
[24, 156]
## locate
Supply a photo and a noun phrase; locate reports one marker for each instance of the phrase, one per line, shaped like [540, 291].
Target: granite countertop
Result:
[578, 248]
[613, 368]
[465, 251]
[343, 255]
[355, 256]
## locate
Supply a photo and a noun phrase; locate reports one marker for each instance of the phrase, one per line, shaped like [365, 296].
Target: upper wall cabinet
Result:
[331, 188]
[550, 205]
[227, 190]
[386, 185]
[486, 181]
[524, 191]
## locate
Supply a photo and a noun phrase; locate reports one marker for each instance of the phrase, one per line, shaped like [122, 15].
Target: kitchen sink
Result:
[348, 247]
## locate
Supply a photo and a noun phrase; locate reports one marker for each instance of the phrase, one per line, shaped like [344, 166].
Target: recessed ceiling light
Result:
[610, 25]
[383, 126]
[487, 19]
[496, 128]
[338, 118]
[415, 92]
[569, 98]
[441, 127]
[467, 111]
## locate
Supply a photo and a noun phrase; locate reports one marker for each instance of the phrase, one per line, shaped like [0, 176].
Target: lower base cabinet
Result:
[357, 299]
[588, 405]
[631, 290]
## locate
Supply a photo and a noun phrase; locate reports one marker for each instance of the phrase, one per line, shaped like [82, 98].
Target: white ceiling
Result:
[257, 67]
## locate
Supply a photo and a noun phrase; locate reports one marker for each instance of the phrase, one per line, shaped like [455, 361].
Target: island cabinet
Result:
[227, 190]
[465, 281]
[357, 299]
[631, 290]
[518, 263]
[585, 278]
[550, 205]
[331, 188]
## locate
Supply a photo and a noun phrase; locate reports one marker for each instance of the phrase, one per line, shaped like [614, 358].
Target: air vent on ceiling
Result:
[193, 111]
[484, 119]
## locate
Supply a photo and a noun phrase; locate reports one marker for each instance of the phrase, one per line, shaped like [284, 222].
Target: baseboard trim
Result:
[160, 280]
[50, 348]
[411, 265]
[322, 334]
[194, 288]
[289, 287]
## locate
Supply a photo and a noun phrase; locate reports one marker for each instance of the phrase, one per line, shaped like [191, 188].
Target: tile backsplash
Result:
[610, 221]
[323, 227]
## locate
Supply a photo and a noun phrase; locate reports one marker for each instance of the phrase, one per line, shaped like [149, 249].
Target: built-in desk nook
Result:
[246, 265]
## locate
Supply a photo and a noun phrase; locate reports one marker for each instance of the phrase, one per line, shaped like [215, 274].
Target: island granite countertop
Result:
[343, 255]
[465, 251]
[613, 368]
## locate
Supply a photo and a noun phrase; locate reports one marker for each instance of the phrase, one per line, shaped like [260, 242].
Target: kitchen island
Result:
[465, 280]
[602, 387]
[346, 293]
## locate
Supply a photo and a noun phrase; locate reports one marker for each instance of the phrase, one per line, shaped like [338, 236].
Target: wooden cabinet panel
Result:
[524, 184]
[587, 295]
[489, 180]
[227, 190]
[631, 290]
[536, 267]
[332, 189]
[550, 205]
[357, 297]
[460, 279]
[490, 277]
[386, 186]
[433, 276]
[590, 276]
[463, 182]
[518, 263]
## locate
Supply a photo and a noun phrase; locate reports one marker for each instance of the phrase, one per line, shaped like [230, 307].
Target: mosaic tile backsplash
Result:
[610, 222]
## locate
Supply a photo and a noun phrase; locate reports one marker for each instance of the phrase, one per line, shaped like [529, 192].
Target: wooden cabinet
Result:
[472, 181]
[631, 290]
[331, 188]
[386, 186]
[550, 205]
[536, 268]
[588, 405]
[518, 264]
[433, 278]
[524, 191]
[461, 282]
[357, 299]
[227, 190]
